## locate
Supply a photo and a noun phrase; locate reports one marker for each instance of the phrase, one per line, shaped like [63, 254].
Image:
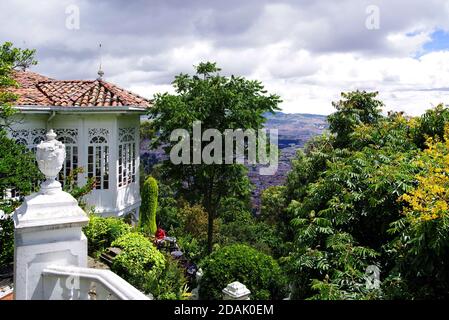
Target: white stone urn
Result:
[50, 155]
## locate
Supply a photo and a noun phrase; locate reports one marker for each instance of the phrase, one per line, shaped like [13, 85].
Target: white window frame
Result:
[127, 155]
[98, 158]
[69, 137]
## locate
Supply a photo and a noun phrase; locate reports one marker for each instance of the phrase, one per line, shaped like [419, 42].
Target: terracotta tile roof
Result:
[39, 90]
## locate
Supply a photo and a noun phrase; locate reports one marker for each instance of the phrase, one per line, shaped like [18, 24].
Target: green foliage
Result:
[274, 214]
[171, 285]
[167, 210]
[78, 192]
[101, 232]
[17, 58]
[148, 208]
[11, 58]
[218, 102]
[18, 168]
[142, 265]
[430, 124]
[233, 209]
[139, 261]
[355, 108]
[259, 272]
[6, 241]
[146, 130]
[421, 248]
[194, 221]
[342, 195]
[194, 249]
[257, 234]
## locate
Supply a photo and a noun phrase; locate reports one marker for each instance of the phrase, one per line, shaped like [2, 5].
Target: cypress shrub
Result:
[149, 205]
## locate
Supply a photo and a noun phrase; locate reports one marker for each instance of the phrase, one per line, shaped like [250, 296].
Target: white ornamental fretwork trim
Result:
[127, 134]
[71, 134]
[95, 132]
[30, 137]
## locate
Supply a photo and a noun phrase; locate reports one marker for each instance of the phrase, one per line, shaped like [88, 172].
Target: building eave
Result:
[75, 109]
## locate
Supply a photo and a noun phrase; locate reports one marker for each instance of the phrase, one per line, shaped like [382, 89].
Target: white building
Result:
[99, 124]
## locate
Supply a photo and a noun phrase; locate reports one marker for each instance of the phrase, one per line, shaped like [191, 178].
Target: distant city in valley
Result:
[294, 130]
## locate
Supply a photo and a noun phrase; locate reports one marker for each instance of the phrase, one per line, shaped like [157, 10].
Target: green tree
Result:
[342, 194]
[220, 103]
[355, 108]
[421, 246]
[18, 169]
[11, 58]
[430, 124]
[17, 166]
[148, 208]
[146, 130]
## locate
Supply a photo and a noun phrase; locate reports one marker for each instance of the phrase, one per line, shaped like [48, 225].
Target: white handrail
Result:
[112, 283]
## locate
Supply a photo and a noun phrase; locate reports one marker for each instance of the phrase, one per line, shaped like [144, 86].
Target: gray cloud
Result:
[146, 43]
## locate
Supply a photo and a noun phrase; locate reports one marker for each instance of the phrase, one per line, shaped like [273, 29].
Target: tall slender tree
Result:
[219, 102]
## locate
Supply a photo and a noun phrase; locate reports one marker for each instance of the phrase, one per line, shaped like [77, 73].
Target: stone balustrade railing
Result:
[75, 283]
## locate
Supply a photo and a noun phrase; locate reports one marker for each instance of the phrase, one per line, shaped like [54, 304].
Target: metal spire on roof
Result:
[100, 71]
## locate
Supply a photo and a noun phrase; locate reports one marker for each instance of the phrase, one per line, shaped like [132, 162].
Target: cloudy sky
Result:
[306, 51]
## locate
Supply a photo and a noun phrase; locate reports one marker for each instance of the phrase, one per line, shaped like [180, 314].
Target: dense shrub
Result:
[167, 215]
[6, 241]
[430, 124]
[142, 265]
[194, 221]
[18, 167]
[421, 249]
[148, 208]
[233, 209]
[101, 232]
[259, 272]
[193, 249]
[171, 285]
[138, 260]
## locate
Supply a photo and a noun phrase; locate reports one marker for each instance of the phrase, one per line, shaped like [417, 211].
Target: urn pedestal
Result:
[48, 227]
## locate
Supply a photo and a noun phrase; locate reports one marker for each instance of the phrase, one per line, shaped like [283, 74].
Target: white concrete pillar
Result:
[236, 291]
[47, 227]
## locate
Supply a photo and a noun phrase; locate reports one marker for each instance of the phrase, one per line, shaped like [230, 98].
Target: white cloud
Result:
[306, 51]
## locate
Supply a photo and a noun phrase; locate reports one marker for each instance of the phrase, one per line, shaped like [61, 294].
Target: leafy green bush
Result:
[6, 241]
[149, 206]
[171, 284]
[430, 124]
[259, 272]
[167, 215]
[142, 265]
[233, 209]
[18, 167]
[257, 234]
[101, 232]
[138, 260]
[193, 248]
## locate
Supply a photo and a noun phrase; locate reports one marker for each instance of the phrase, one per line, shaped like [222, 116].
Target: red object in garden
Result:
[160, 234]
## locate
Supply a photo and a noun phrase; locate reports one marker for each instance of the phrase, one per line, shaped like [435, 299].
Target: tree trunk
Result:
[210, 208]
[210, 230]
